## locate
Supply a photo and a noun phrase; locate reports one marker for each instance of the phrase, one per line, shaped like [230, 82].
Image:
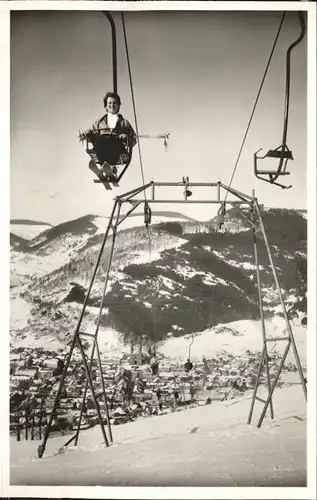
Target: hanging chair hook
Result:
[147, 214]
[221, 215]
[166, 141]
[191, 343]
[114, 50]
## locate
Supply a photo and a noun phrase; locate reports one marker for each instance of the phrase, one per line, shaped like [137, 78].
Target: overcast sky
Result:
[195, 75]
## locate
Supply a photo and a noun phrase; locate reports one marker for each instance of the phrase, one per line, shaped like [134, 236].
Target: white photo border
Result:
[148, 492]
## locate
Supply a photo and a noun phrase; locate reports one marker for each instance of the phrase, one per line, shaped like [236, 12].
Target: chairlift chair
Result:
[108, 152]
[282, 153]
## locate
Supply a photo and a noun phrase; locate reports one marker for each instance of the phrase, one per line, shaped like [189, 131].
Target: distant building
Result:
[25, 373]
[45, 373]
[51, 363]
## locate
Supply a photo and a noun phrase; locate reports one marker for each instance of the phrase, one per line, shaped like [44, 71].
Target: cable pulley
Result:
[187, 191]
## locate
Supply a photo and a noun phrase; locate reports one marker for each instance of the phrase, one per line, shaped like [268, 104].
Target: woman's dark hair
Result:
[111, 94]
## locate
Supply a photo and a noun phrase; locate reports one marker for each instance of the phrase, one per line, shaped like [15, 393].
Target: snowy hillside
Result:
[236, 338]
[188, 277]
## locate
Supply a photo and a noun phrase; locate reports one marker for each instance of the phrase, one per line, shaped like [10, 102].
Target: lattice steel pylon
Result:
[258, 229]
[131, 197]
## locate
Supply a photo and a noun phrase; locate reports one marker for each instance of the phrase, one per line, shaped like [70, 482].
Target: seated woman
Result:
[112, 136]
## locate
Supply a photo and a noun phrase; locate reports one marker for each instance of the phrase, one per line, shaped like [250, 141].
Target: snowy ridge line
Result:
[31, 230]
[28, 231]
[39, 264]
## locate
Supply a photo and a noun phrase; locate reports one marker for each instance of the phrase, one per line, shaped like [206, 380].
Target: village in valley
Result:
[36, 372]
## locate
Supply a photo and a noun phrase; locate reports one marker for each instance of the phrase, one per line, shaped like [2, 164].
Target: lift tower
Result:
[223, 196]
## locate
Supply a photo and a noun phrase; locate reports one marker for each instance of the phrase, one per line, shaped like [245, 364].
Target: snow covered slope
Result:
[203, 446]
[236, 338]
[190, 277]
